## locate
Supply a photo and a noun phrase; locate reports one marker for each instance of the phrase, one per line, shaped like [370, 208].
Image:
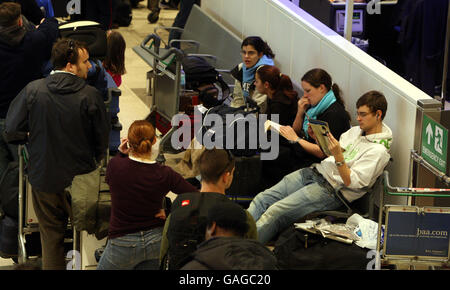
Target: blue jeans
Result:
[137, 251]
[296, 195]
[181, 19]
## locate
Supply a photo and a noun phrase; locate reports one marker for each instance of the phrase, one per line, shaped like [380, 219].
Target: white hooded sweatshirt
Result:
[366, 156]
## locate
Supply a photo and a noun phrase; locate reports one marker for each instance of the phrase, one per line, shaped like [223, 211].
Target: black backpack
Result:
[123, 13]
[9, 191]
[201, 76]
[187, 226]
[244, 142]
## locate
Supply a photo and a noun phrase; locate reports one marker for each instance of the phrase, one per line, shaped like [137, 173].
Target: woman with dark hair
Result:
[282, 101]
[114, 62]
[321, 101]
[138, 186]
[255, 52]
[282, 98]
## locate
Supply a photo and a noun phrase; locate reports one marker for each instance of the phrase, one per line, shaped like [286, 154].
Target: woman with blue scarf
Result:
[321, 101]
[255, 52]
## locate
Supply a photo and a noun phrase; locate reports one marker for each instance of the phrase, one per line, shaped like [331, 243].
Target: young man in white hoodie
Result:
[352, 170]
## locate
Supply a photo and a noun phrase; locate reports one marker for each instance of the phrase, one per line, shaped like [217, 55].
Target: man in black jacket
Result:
[22, 55]
[225, 248]
[67, 128]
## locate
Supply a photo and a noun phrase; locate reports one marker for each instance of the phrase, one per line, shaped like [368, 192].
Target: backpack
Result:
[201, 76]
[187, 225]
[9, 191]
[244, 142]
[123, 13]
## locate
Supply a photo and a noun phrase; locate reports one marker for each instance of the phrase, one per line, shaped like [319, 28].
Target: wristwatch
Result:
[339, 164]
[296, 140]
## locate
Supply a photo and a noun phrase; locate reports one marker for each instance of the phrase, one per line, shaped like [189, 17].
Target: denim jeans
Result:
[137, 251]
[181, 19]
[296, 195]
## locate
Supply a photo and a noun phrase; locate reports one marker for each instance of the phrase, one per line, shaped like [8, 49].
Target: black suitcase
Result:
[299, 250]
[246, 180]
[88, 32]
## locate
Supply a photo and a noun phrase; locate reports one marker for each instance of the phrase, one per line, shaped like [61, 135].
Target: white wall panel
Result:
[279, 37]
[336, 64]
[256, 18]
[305, 55]
[361, 81]
[214, 8]
[233, 13]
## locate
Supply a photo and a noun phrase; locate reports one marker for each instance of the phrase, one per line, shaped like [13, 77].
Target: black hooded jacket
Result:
[22, 55]
[68, 129]
[231, 253]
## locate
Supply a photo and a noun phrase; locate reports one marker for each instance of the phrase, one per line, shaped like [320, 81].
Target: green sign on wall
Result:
[434, 143]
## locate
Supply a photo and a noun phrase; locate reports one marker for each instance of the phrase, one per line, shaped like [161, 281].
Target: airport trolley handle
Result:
[155, 53]
[413, 191]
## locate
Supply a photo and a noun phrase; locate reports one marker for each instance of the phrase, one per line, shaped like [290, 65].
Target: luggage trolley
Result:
[414, 235]
[28, 222]
[166, 84]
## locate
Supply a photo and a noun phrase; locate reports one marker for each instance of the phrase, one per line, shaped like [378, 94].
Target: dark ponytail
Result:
[259, 45]
[277, 80]
[337, 94]
[317, 77]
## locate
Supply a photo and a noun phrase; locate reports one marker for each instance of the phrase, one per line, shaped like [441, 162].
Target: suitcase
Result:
[88, 32]
[246, 181]
[299, 250]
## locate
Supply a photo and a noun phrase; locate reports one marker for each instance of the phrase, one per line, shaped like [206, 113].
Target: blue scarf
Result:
[248, 74]
[318, 109]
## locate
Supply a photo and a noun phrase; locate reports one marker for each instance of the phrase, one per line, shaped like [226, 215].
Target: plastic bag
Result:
[366, 229]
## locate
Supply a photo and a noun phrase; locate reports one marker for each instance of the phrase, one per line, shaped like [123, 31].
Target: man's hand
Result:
[311, 133]
[335, 148]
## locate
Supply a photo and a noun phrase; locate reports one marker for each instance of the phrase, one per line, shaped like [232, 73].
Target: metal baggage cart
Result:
[413, 235]
[28, 222]
[165, 83]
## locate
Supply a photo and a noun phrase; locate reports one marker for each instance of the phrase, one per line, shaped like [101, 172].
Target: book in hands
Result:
[269, 125]
[321, 130]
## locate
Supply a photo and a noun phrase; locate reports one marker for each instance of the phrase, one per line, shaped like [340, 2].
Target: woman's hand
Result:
[288, 133]
[303, 105]
[123, 147]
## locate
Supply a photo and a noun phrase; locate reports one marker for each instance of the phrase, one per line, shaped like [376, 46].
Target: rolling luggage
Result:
[246, 180]
[299, 250]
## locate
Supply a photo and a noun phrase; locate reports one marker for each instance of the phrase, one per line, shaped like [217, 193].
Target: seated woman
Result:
[321, 101]
[255, 53]
[138, 186]
[282, 101]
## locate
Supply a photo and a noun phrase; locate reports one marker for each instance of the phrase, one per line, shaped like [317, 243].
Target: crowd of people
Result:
[64, 121]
